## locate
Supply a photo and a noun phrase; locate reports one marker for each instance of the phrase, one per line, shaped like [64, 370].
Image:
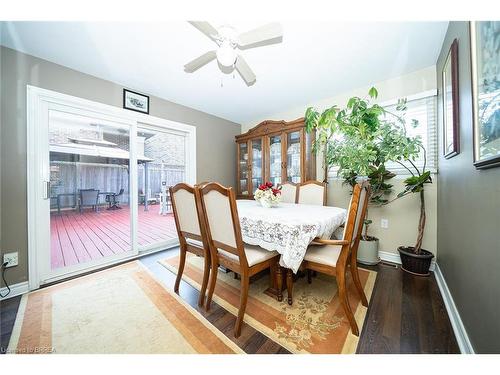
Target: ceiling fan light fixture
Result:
[226, 55]
[229, 43]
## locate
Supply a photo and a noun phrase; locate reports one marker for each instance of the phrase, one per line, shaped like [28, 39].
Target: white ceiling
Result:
[316, 60]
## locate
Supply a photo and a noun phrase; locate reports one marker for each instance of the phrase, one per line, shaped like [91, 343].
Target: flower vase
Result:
[266, 203]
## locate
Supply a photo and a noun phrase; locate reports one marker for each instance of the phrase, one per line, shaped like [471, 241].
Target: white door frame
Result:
[38, 103]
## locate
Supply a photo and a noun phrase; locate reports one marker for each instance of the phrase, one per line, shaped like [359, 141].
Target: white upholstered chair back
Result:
[311, 193]
[186, 212]
[288, 192]
[219, 218]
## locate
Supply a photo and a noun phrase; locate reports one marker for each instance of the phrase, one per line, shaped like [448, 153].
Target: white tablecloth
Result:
[288, 228]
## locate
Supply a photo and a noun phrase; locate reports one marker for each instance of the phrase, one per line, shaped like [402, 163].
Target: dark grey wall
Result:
[469, 216]
[215, 147]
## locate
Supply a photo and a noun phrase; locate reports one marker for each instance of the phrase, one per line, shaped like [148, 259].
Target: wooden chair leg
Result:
[211, 284]
[344, 300]
[309, 276]
[279, 282]
[357, 282]
[182, 262]
[204, 283]
[245, 282]
[289, 285]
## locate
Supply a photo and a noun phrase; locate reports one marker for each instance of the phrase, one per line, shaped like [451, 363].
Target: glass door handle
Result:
[46, 189]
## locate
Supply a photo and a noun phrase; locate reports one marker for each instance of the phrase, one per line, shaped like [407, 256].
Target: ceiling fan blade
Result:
[197, 63]
[245, 72]
[260, 34]
[206, 28]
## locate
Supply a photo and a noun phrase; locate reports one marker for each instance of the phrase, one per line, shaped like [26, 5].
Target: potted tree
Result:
[349, 138]
[401, 148]
[360, 139]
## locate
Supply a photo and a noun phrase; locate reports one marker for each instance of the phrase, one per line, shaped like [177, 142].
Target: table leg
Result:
[289, 285]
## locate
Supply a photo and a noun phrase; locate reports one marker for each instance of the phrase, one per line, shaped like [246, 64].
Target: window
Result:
[421, 108]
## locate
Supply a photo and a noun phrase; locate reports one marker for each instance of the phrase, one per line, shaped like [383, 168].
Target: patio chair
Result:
[114, 199]
[89, 198]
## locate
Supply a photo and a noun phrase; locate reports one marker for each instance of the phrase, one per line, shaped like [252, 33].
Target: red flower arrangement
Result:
[269, 186]
[268, 192]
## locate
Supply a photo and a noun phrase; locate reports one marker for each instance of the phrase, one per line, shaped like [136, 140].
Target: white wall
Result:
[403, 214]
[409, 84]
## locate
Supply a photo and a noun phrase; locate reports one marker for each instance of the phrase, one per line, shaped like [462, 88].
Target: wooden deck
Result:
[78, 238]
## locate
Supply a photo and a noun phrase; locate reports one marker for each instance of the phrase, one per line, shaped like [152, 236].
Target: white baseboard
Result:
[395, 258]
[456, 322]
[15, 290]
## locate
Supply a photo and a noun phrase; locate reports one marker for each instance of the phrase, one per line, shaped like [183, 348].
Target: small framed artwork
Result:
[485, 64]
[135, 101]
[451, 126]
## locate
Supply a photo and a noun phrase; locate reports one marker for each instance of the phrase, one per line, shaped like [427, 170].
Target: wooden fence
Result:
[70, 177]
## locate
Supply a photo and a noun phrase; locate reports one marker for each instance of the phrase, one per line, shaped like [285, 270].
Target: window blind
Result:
[424, 110]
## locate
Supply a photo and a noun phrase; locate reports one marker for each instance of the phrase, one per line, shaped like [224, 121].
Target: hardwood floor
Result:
[406, 315]
[8, 312]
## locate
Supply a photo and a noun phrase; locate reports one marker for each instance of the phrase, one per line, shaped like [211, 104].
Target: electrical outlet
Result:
[384, 223]
[12, 259]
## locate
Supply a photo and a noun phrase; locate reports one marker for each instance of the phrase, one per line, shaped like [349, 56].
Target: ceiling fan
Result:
[228, 41]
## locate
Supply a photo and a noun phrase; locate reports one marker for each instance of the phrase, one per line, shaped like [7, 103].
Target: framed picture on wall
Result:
[451, 126]
[485, 64]
[135, 101]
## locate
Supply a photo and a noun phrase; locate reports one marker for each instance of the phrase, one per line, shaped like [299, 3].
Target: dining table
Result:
[288, 228]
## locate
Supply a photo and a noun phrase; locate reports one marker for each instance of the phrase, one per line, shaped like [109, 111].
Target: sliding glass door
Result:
[98, 183]
[161, 157]
[89, 190]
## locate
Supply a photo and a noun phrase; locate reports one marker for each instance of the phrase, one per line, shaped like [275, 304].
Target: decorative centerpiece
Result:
[268, 195]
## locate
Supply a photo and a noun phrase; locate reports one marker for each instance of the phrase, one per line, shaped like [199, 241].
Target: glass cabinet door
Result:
[257, 163]
[293, 172]
[243, 168]
[275, 162]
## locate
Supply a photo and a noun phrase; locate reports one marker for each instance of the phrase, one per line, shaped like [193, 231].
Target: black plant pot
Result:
[416, 264]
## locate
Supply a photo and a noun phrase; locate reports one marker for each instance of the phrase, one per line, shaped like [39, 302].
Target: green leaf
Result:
[373, 93]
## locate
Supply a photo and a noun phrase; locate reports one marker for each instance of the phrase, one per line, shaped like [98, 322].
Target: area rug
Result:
[119, 310]
[316, 322]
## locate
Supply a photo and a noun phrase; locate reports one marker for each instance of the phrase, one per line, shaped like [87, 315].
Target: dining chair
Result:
[192, 238]
[223, 231]
[289, 192]
[335, 257]
[312, 192]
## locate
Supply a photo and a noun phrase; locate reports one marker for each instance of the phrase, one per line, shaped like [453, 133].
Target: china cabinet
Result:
[276, 151]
